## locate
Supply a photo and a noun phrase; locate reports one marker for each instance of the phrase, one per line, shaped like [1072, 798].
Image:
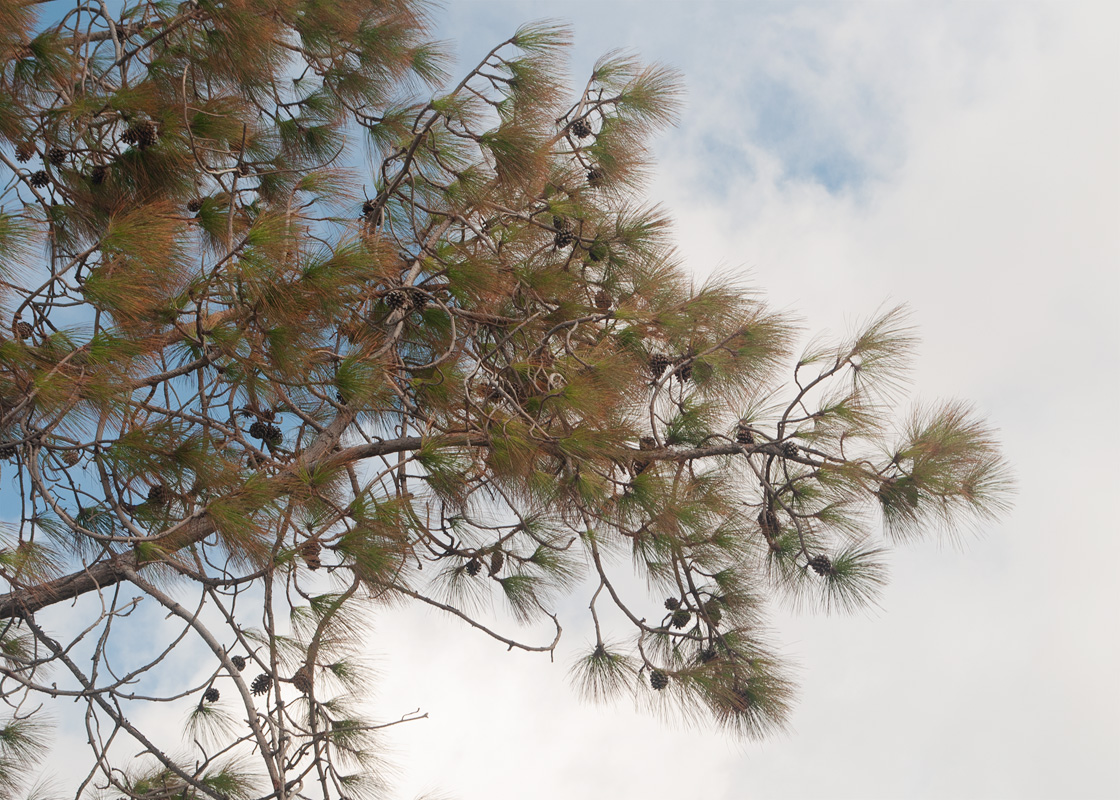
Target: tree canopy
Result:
[296, 328]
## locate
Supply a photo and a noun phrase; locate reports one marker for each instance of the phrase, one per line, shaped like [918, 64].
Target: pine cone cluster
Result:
[211, 695]
[24, 152]
[822, 565]
[141, 133]
[159, 495]
[261, 684]
[238, 663]
[39, 179]
[658, 679]
[268, 432]
[310, 552]
[580, 129]
[658, 363]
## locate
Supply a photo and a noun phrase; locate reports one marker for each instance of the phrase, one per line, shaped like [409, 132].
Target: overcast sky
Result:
[962, 158]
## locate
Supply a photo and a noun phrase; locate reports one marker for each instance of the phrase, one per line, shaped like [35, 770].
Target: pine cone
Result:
[194, 205]
[672, 604]
[707, 655]
[822, 565]
[24, 152]
[580, 129]
[158, 495]
[418, 299]
[310, 552]
[658, 679]
[258, 430]
[473, 567]
[8, 450]
[98, 174]
[684, 370]
[681, 617]
[24, 330]
[244, 170]
[211, 695]
[496, 562]
[595, 177]
[768, 520]
[743, 434]
[396, 299]
[790, 450]
[302, 680]
[368, 207]
[603, 300]
[39, 179]
[238, 663]
[261, 684]
[658, 363]
[560, 223]
[141, 133]
[274, 436]
[71, 457]
[714, 612]
[564, 238]
[56, 155]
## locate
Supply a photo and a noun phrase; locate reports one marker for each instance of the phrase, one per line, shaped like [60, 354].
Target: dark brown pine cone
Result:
[158, 495]
[658, 363]
[822, 565]
[261, 684]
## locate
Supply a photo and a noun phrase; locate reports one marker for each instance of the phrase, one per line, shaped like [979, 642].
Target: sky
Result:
[962, 158]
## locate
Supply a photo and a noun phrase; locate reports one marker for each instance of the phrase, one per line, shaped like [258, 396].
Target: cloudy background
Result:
[962, 158]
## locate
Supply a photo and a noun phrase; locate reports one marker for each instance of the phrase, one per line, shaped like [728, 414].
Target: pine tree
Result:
[253, 390]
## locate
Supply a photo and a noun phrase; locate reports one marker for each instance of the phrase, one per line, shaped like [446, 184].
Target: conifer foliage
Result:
[295, 326]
